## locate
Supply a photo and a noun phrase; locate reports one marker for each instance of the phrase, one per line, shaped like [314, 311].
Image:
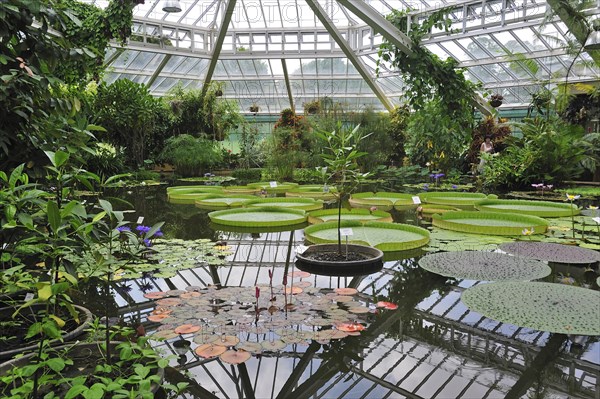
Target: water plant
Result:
[541, 187]
[342, 170]
[572, 198]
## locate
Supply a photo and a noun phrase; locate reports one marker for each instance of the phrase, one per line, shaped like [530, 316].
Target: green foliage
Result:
[488, 126]
[290, 145]
[396, 130]
[427, 76]
[197, 112]
[129, 114]
[247, 175]
[106, 159]
[191, 156]
[436, 139]
[549, 151]
[251, 153]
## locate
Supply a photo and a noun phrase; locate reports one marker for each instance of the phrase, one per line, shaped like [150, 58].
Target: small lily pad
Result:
[488, 266]
[556, 308]
[551, 252]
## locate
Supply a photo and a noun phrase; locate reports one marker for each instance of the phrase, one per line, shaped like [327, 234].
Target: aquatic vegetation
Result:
[259, 217]
[551, 252]
[485, 266]
[493, 223]
[383, 200]
[387, 237]
[556, 308]
[359, 214]
[534, 208]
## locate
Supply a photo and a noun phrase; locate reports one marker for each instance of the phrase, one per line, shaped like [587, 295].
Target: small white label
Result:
[326, 188]
[597, 220]
[273, 184]
[416, 200]
[29, 296]
[346, 231]
[140, 220]
[300, 249]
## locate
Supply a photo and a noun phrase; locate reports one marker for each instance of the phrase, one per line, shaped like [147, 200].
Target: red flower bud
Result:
[257, 292]
[285, 279]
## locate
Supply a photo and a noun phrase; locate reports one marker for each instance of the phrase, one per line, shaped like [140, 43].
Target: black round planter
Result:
[6, 314]
[372, 264]
[496, 103]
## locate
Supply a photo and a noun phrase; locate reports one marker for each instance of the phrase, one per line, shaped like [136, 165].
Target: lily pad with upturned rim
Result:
[545, 209]
[551, 252]
[259, 217]
[487, 266]
[550, 307]
[383, 236]
[383, 200]
[312, 191]
[306, 204]
[457, 199]
[240, 190]
[493, 223]
[223, 201]
[362, 215]
[430, 209]
[280, 188]
[193, 189]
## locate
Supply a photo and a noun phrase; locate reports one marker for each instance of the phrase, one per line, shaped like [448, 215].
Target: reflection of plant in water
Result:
[341, 351]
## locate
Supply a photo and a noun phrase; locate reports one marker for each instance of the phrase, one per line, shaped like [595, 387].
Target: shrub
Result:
[191, 156]
[248, 175]
[106, 160]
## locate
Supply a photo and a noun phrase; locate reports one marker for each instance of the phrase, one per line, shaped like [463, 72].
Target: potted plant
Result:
[254, 108]
[343, 173]
[496, 100]
[312, 107]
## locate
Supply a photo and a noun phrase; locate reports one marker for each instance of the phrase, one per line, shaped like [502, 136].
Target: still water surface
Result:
[432, 346]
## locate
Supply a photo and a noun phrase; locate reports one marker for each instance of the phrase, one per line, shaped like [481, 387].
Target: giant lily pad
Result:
[223, 201]
[187, 194]
[456, 199]
[276, 188]
[535, 208]
[306, 204]
[363, 215]
[551, 252]
[431, 209]
[382, 200]
[240, 190]
[258, 217]
[384, 236]
[316, 192]
[493, 223]
[488, 266]
[556, 308]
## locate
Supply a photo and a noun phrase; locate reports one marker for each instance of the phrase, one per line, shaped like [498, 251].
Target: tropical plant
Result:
[342, 170]
[497, 131]
[191, 156]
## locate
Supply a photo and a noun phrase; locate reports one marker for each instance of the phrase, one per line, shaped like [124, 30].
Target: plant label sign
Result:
[347, 231]
[140, 220]
[597, 219]
[29, 296]
[273, 184]
[416, 200]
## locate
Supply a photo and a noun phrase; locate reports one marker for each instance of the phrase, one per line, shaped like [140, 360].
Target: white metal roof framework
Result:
[277, 52]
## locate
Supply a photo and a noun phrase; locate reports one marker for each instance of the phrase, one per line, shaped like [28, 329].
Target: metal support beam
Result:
[379, 24]
[578, 27]
[352, 57]
[114, 56]
[288, 86]
[158, 70]
[218, 44]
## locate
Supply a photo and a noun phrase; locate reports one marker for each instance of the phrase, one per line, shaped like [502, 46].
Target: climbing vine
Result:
[426, 75]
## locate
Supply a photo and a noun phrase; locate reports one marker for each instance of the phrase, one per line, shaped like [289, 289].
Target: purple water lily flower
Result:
[143, 229]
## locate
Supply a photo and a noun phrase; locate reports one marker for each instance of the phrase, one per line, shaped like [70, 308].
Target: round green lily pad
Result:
[259, 217]
[551, 252]
[382, 200]
[430, 209]
[240, 190]
[312, 191]
[279, 188]
[384, 236]
[306, 204]
[457, 199]
[187, 198]
[536, 208]
[223, 201]
[487, 266]
[363, 215]
[194, 189]
[493, 223]
[557, 308]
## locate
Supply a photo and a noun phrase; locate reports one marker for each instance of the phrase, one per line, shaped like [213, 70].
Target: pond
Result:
[431, 346]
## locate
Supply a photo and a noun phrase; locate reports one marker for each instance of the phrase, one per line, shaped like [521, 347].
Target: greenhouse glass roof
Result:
[274, 53]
